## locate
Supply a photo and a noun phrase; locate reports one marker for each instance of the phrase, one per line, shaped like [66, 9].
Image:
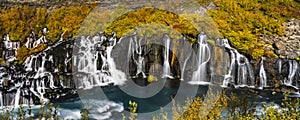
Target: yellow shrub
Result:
[19, 21]
[66, 19]
[22, 54]
[39, 48]
[152, 78]
[244, 21]
[128, 22]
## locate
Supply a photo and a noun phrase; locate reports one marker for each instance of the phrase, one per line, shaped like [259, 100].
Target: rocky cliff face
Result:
[49, 74]
[285, 69]
[289, 45]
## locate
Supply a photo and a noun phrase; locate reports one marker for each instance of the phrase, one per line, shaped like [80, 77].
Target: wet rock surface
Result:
[49, 74]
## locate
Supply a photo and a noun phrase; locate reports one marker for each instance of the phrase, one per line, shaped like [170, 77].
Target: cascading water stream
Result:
[262, 75]
[117, 76]
[140, 58]
[293, 68]
[87, 63]
[96, 67]
[244, 68]
[28, 63]
[1, 99]
[166, 65]
[184, 64]
[35, 64]
[279, 62]
[228, 77]
[199, 76]
[17, 98]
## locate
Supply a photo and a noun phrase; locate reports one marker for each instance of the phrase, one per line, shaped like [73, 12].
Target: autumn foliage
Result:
[244, 21]
[19, 21]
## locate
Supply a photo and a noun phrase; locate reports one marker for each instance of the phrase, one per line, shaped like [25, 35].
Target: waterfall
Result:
[199, 76]
[35, 77]
[242, 70]
[28, 63]
[41, 40]
[185, 62]
[130, 55]
[10, 48]
[293, 68]
[139, 61]
[262, 75]
[166, 65]
[117, 76]
[41, 72]
[17, 98]
[183, 69]
[86, 64]
[88, 56]
[1, 99]
[41, 68]
[244, 75]
[41, 90]
[40, 87]
[279, 62]
[229, 77]
[94, 65]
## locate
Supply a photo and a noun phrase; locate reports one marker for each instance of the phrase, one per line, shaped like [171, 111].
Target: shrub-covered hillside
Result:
[243, 22]
[19, 21]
